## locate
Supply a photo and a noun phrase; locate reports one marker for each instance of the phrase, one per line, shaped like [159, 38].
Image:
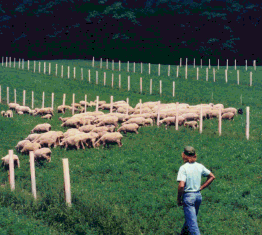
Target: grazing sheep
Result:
[64, 119]
[139, 121]
[20, 113]
[228, 116]
[62, 108]
[148, 122]
[9, 113]
[217, 106]
[50, 138]
[43, 153]
[33, 137]
[90, 137]
[192, 124]
[5, 161]
[24, 109]
[47, 116]
[45, 127]
[104, 128]
[106, 107]
[229, 110]
[132, 127]
[82, 102]
[107, 138]
[108, 121]
[172, 121]
[72, 122]
[72, 141]
[13, 106]
[76, 105]
[44, 111]
[213, 113]
[71, 132]
[190, 116]
[20, 145]
[30, 147]
[86, 128]
[2, 113]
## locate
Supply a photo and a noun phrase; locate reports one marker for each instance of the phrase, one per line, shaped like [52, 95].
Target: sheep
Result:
[20, 145]
[72, 141]
[72, 122]
[43, 153]
[190, 116]
[71, 132]
[108, 121]
[139, 120]
[2, 113]
[43, 111]
[87, 137]
[228, 116]
[24, 109]
[64, 119]
[229, 110]
[83, 103]
[62, 108]
[132, 127]
[104, 128]
[192, 124]
[172, 121]
[76, 105]
[13, 106]
[114, 137]
[217, 106]
[148, 121]
[20, 113]
[86, 128]
[120, 116]
[106, 107]
[30, 147]
[47, 116]
[33, 137]
[213, 113]
[5, 161]
[50, 138]
[45, 127]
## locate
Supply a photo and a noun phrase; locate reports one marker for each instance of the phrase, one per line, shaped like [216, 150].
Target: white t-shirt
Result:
[191, 174]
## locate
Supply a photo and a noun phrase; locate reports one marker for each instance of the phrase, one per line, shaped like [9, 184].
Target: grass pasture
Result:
[133, 189]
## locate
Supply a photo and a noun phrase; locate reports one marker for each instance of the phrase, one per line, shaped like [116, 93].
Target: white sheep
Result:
[5, 161]
[33, 137]
[108, 121]
[192, 124]
[72, 122]
[45, 127]
[132, 127]
[13, 106]
[107, 138]
[229, 116]
[139, 121]
[2, 113]
[30, 147]
[20, 113]
[86, 128]
[72, 141]
[71, 132]
[47, 116]
[50, 138]
[20, 145]
[43, 153]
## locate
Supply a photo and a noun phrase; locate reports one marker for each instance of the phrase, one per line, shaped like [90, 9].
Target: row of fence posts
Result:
[67, 187]
[119, 81]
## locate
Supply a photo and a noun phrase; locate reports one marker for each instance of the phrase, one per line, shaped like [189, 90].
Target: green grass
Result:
[133, 189]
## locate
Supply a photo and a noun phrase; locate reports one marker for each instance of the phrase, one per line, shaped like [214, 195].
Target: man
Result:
[189, 178]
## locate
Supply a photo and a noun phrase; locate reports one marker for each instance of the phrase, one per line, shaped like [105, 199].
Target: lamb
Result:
[30, 147]
[114, 137]
[43, 153]
[72, 122]
[20, 145]
[9, 113]
[20, 113]
[139, 120]
[228, 116]
[45, 127]
[132, 127]
[5, 161]
[47, 116]
[192, 124]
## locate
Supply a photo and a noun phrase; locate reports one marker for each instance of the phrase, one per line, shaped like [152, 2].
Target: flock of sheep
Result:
[91, 129]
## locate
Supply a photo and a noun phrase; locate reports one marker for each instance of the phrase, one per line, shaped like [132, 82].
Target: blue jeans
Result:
[191, 203]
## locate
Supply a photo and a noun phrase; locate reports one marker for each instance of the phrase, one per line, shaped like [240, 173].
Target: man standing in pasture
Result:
[189, 178]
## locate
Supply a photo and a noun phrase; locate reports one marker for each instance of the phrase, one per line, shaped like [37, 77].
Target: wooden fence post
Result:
[19, 63]
[27, 63]
[112, 84]
[197, 72]
[168, 72]
[220, 122]
[112, 65]
[158, 69]
[209, 65]
[39, 66]
[15, 96]
[201, 119]
[250, 78]
[186, 70]
[106, 63]
[206, 74]
[227, 64]
[7, 95]
[127, 66]
[11, 170]
[56, 70]
[140, 85]
[201, 63]
[85, 102]
[160, 87]
[173, 89]
[119, 66]
[49, 69]
[151, 86]
[43, 100]
[34, 66]
[32, 99]
[235, 64]
[62, 70]
[226, 75]
[111, 104]
[119, 81]
[180, 62]
[177, 70]
[96, 77]
[14, 62]
[52, 102]
[128, 83]
[82, 74]
[237, 77]
[247, 123]
[32, 170]
[67, 181]
[104, 78]
[93, 62]
[68, 72]
[97, 101]
[74, 72]
[73, 109]
[44, 67]
[23, 97]
[127, 101]
[89, 76]
[134, 67]
[194, 62]
[246, 65]
[101, 63]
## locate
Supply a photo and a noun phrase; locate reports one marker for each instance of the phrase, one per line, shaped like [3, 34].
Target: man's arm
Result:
[209, 180]
[180, 192]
